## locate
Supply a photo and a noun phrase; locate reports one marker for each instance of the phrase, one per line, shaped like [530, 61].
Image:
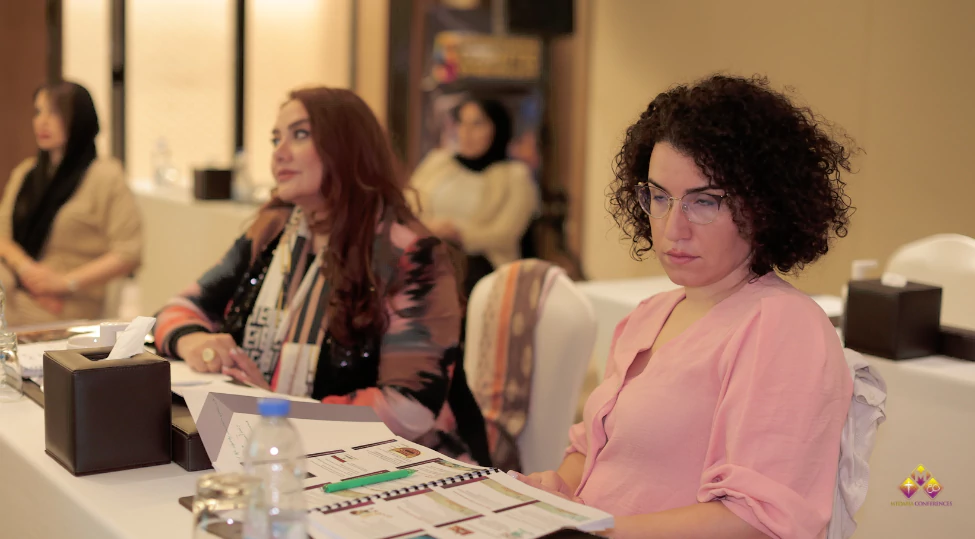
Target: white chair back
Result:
[868, 409]
[945, 260]
[564, 338]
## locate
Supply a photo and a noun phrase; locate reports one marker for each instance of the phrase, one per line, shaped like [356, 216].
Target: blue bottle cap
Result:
[273, 407]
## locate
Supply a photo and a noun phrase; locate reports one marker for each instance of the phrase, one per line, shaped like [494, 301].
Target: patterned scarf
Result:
[285, 330]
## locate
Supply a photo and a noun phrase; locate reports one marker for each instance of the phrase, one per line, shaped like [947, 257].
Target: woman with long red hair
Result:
[337, 291]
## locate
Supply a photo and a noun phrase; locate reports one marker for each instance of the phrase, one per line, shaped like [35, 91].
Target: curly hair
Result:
[779, 162]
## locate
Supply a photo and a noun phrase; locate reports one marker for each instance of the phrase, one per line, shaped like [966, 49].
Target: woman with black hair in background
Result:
[68, 221]
[478, 198]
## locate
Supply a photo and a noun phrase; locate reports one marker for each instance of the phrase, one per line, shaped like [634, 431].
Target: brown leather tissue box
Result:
[106, 415]
[212, 184]
[892, 322]
[188, 450]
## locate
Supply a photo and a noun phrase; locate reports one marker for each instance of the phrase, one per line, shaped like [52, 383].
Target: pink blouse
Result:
[745, 406]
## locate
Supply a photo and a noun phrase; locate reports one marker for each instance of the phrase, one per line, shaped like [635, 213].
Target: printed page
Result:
[485, 507]
[364, 521]
[553, 510]
[230, 456]
[31, 356]
[181, 375]
[512, 505]
[400, 454]
[370, 459]
[225, 434]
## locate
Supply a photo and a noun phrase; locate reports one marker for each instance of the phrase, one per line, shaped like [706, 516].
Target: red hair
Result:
[360, 180]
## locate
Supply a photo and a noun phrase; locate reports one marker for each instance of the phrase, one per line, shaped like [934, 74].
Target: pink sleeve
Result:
[775, 440]
[578, 439]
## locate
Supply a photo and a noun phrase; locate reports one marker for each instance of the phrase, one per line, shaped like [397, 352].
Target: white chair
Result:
[867, 412]
[563, 342]
[945, 260]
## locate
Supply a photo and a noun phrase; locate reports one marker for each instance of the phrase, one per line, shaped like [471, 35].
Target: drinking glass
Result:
[220, 504]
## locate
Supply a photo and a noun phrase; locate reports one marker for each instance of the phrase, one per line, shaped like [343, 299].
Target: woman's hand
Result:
[207, 352]
[50, 304]
[549, 482]
[246, 371]
[41, 280]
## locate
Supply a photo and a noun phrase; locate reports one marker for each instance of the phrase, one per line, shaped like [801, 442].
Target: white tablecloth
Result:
[40, 499]
[930, 421]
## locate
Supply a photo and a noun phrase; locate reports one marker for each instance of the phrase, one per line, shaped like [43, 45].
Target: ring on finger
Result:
[209, 354]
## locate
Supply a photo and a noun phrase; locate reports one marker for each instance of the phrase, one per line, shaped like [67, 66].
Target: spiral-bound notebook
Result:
[444, 498]
[484, 503]
[435, 503]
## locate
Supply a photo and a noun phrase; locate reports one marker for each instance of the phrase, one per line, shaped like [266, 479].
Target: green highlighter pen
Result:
[367, 480]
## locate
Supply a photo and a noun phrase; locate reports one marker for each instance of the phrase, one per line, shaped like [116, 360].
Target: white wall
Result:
[87, 56]
[180, 70]
[895, 74]
[372, 56]
[289, 45]
[179, 83]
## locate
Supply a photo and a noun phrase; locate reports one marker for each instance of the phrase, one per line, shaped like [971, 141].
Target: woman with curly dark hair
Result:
[721, 409]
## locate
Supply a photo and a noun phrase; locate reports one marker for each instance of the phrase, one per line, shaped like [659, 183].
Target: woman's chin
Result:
[682, 277]
[311, 200]
[287, 193]
[470, 155]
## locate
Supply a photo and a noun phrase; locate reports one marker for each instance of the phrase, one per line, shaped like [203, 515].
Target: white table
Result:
[183, 237]
[930, 421]
[40, 499]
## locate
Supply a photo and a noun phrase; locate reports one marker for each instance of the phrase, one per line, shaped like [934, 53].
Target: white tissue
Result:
[893, 279]
[132, 340]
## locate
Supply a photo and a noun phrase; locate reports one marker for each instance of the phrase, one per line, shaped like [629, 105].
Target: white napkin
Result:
[132, 340]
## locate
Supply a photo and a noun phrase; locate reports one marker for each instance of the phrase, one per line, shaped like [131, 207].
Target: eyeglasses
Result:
[700, 208]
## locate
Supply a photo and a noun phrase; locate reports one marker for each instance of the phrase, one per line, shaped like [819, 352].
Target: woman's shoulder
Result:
[773, 294]
[410, 234]
[434, 161]
[515, 175]
[438, 155]
[23, 168]
[16, 179]
[511, 168]
[414, 254]
[106, 170]
[268, 223]
[415, 246]
[771, 306]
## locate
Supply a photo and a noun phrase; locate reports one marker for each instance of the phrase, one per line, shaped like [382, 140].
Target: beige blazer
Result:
[100, 217]
[509, 201]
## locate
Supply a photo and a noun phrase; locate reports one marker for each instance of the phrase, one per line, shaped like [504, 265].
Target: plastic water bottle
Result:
[11, 383]
[163, 170]
[276, 457]
[243, 185]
